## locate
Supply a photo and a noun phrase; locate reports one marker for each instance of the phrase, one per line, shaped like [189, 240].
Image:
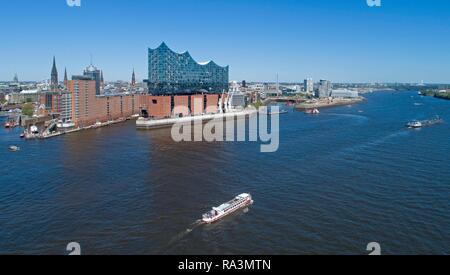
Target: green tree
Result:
[258, 104]
[28, 109]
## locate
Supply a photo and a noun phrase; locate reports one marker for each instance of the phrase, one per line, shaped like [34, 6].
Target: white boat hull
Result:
[242, 205]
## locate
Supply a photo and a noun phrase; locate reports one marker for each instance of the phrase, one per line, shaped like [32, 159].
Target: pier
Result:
[328, 103]
[50, 126]
[144, 123]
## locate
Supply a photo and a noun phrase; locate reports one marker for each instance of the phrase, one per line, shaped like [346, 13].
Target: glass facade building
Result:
[174, 73]
[94, 74]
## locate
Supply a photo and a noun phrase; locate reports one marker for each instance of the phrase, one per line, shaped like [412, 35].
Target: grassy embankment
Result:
[436, 94]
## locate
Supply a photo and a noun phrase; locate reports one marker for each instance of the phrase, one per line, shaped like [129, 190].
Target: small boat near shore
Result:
[312, 111]
[217, 213]
[10, 125]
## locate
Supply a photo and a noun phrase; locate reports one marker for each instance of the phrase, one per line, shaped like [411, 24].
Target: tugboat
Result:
[226, 209]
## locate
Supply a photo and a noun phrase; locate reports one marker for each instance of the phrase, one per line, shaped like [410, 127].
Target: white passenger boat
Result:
[226, 209]
[414, 124]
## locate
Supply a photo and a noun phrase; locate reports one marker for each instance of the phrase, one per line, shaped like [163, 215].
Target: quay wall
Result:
[88, 109]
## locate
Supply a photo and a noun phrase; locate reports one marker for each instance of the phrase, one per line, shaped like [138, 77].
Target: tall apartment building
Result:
[325, 88]
[309, 85]
[83, 93]
[66, 106]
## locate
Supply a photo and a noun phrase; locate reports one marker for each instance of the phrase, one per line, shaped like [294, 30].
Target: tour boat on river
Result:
[226, 209]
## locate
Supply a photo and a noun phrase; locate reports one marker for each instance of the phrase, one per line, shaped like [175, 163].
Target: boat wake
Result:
[373, 143]
[185, 233]
[358, 117]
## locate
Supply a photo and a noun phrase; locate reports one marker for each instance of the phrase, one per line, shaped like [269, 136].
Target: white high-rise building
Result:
[309, 85]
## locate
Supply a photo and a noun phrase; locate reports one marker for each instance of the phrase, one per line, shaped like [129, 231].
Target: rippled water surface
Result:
[350, 176]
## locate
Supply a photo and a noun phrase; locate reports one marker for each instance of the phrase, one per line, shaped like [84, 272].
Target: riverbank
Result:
[440, 95]
[47, 135]
[326, 103]
[148, 124]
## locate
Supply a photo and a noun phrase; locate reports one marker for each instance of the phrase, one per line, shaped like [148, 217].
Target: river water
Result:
[340, 180]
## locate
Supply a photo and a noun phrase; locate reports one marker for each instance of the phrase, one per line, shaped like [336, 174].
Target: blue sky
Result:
[341, 40]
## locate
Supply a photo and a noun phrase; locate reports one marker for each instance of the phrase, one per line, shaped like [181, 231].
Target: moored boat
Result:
[312, 112]
[226, 209]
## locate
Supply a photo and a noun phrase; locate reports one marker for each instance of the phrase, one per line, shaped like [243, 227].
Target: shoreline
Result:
[79, 129]
[149, 124]
[323, 104]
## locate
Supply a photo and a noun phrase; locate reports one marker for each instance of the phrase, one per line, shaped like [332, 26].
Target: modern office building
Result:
[344, 93]
[325, 88]
[178, 73]
[94, 74]
[236, 100]
[309, 85]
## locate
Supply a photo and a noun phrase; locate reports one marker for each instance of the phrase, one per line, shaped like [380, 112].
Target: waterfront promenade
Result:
[327, 103]
[143, 123]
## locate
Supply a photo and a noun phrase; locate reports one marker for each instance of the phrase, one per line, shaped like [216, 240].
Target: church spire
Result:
[102, 80]
[66, 80]
[54, 76]
[133, 79]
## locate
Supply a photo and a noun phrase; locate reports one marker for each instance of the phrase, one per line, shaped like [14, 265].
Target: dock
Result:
[321, 104]
[46, 134]
[149, 123]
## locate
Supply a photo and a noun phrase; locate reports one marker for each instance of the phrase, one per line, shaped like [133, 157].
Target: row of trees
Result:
[28, 109]
[443, 95]
[436, 94]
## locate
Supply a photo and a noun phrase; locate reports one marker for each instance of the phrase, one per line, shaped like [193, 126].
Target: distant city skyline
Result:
[342, 41]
